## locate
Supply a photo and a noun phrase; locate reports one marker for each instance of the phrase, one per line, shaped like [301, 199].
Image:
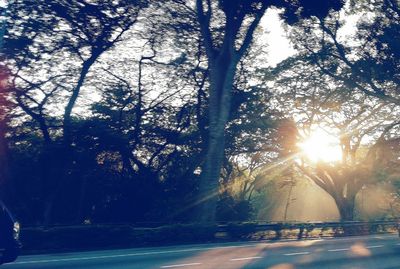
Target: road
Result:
[379, 252]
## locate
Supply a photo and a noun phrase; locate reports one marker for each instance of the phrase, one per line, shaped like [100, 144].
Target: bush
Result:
[108, 236]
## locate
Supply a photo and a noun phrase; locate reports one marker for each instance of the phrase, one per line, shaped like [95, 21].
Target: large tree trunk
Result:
[72, 100]
[222, 73]
[209, 183]
[222, 62]
[56, 162]
[346, 208]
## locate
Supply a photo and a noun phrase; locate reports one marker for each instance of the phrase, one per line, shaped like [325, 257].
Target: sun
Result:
[320, 146]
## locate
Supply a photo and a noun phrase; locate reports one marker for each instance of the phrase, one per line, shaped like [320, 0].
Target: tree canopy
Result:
[146, 111]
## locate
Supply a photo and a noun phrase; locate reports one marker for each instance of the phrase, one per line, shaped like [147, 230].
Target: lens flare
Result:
[320, 146]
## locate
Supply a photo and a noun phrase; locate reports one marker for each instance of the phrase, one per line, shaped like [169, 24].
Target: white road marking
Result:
[297, 253]
[377, 246]
[71, 259]
[180, 265]
[127, 255]
[246, 258]
[338, 249]
[250, 244]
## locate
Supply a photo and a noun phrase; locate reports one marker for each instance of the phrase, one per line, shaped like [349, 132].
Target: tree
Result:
[368, 60]
[60, 32]
[60, 41]
[227, 29]
[363, 125]
[364, 64]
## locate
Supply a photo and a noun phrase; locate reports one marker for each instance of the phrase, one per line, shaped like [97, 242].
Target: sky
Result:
[275, 36]
[279, 47]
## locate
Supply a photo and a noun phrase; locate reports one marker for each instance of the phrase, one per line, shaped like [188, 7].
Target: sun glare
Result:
[321, 146]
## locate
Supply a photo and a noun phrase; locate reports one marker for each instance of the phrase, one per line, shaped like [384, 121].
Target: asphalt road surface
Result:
[377, 252]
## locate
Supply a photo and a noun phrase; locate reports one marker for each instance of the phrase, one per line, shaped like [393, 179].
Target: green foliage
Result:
[231, 209]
